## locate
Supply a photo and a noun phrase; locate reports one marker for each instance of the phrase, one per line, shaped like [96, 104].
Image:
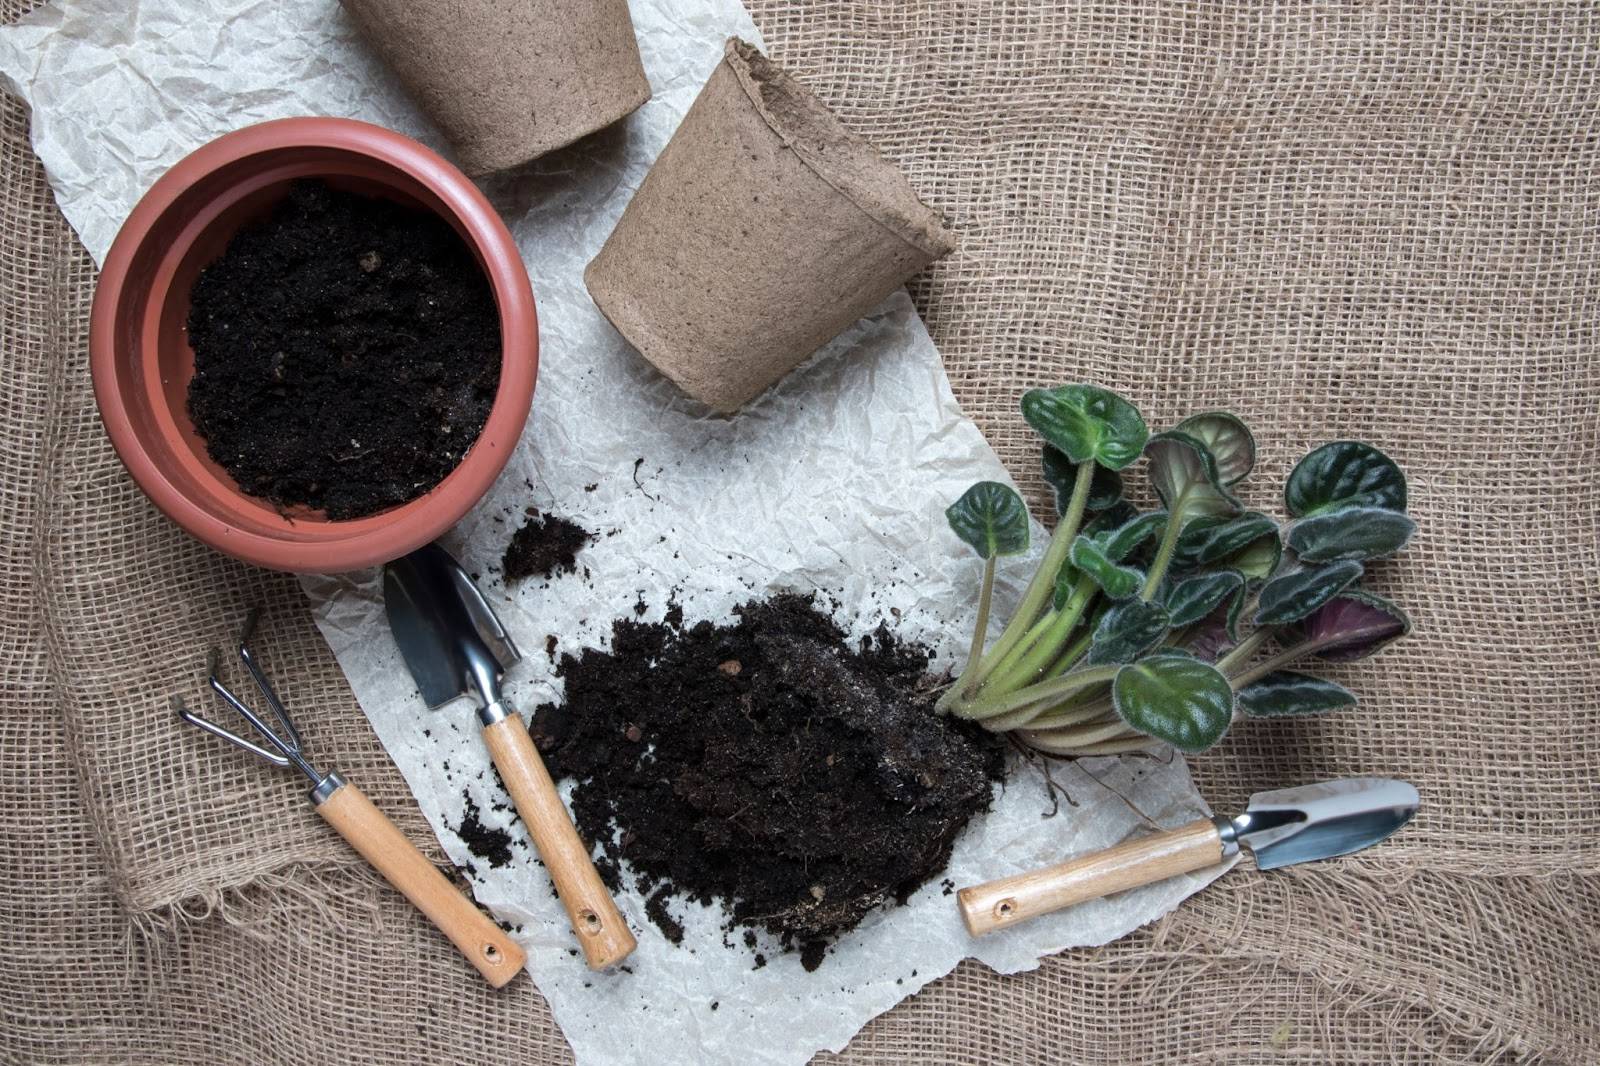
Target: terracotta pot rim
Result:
[318, 545]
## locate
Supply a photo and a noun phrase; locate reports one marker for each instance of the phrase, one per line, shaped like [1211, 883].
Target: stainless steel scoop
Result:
[454, 646]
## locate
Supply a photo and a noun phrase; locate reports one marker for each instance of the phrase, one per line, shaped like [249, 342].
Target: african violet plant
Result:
[1131, 629]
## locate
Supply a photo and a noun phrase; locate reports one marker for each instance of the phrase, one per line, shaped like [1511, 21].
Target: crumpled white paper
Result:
[835, 480]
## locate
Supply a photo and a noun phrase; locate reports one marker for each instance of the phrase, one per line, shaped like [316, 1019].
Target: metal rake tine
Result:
[239, 705]
[248, 658]
[292, 756]
[226, 734]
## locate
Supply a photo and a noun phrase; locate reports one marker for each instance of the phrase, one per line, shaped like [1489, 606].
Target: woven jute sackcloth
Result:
[1373, 220]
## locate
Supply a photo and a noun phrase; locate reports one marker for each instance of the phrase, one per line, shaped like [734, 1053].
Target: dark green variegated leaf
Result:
[1294, 595]
[1229, 441]
[1119, 543]
[1350, 533]
[992, 518]
[1193, 598]
[1126, 631]
[1087, 423]
[1116, 581]
[1175, 698]
[1114, 517]
[1217, 539]
[1259, 559]
[1346, 473]
[1291, 694]
[1067, 579]
[1061, 474]
[1185, 477]
[1353, 625]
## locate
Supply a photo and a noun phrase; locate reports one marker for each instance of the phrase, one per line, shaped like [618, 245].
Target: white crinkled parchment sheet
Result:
[835, 480]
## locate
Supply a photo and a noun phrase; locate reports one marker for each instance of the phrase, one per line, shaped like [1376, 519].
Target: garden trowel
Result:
[1280, 828]
[454, 646]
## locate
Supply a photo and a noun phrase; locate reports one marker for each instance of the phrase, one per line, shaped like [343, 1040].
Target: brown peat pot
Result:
[141, 361]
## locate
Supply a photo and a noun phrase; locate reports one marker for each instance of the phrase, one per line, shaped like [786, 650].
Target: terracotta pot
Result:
[509, 80]
[764, 230]
[141, 362]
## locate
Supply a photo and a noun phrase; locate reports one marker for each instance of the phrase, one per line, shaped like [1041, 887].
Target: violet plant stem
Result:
[1053, 689]
[1039, 588]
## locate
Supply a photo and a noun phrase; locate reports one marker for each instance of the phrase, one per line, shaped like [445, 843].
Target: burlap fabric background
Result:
[1373, 220]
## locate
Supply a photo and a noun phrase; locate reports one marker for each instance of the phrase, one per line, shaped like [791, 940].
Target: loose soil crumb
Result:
[546, 545]
[347, 352]
[493, 846]
[803, 789]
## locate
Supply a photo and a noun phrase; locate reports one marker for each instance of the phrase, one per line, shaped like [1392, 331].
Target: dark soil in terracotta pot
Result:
[347, 352]
[768, 765]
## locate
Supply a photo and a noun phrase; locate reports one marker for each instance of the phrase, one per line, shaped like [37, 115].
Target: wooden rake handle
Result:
[602, 932]
[1003, 903]
[381, 843]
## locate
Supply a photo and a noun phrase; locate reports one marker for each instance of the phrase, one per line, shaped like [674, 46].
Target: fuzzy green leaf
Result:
[1345, 473]
[1175, 698]
[1292, 596]
[1291, 694]
[1193, 598]
[1120, 542]
[1185, 477]
[1353, 625]
[1219, 539]
[1116, 581]
[1061, 474]
[1229, 441]
[1116, 516]
[992, 518]
[1126, 631]
[1066, 584]
[1259, 559]
[1087, 423]
[1350, 533]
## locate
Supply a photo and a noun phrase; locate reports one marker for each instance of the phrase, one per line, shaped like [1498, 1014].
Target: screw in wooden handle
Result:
[602, 931]
[380, 842]
[1003, 903]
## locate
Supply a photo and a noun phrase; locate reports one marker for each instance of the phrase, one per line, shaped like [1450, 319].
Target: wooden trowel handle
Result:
[381, 843]
[603, 934]
[1002, 904]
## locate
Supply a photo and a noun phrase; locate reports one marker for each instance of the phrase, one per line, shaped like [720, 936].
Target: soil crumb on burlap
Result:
[546, 545]
[347, 352]
[767, 765]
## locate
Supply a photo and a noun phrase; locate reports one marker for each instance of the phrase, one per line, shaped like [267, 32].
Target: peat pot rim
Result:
[141, 363]
[835, 154]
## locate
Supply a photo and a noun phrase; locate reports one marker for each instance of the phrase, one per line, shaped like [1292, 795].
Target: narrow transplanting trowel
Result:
[455, 646]
[1280, 828]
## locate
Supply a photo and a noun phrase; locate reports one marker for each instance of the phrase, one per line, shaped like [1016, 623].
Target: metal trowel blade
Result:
[442, 624]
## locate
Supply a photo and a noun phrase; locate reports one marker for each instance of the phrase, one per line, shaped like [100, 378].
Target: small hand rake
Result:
[366, 828]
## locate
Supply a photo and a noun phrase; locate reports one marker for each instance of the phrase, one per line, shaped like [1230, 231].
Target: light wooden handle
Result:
[602, 931]
[1004, 903]
[382, 844]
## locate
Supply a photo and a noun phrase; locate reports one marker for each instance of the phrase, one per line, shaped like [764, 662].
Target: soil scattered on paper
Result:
[546, 545]
[492, 845]
[347, 352]
[769, 765]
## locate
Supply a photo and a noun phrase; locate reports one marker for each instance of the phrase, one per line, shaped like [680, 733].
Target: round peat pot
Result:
[509, 80]
[764, 229]
[141, 361]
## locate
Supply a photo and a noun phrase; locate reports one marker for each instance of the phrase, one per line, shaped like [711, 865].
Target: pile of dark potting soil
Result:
[546, 545]
[347, 352]
[765, 764]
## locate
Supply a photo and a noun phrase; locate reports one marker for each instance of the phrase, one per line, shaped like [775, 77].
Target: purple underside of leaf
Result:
[1348, 628]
